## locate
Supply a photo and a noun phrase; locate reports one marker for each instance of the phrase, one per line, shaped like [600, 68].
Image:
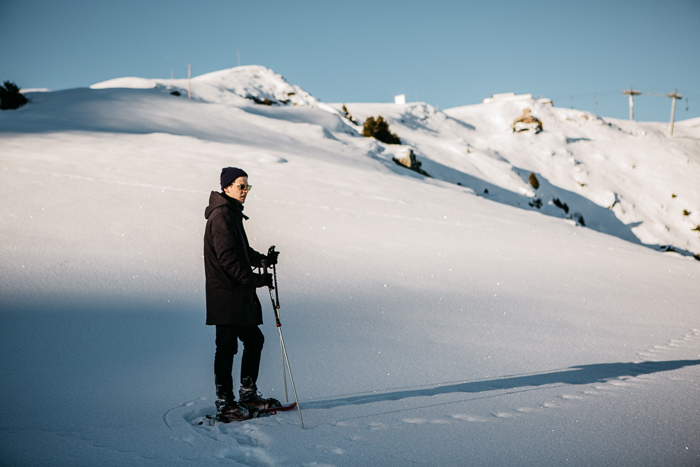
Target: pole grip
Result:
[274, 278]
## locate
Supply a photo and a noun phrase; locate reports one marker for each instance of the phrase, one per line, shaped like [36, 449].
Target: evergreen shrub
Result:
[379, 129]
[536, 203]
[533, 180]
[348, 115]
[10, 97]
[561, 205]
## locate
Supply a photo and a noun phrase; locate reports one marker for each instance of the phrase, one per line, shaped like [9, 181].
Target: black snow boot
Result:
[251, 398]
[227, 410]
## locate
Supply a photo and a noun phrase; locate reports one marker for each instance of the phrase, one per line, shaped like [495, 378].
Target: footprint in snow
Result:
[377, 426]
[620, 384]
[504, 415]
[331, 449]
[571, 397]
[414, 421]
[469, 418]
[344, 424]
[440, 421]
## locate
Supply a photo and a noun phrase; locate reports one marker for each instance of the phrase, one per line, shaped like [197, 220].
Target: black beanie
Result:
[230, 174]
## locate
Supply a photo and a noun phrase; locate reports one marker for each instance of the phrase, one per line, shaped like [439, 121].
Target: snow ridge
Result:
[253, 82]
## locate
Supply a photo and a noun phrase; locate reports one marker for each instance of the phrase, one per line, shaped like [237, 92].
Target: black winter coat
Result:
[228, 263]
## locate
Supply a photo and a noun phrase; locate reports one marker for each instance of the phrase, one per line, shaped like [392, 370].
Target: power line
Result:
[673, 95]
[581, 95]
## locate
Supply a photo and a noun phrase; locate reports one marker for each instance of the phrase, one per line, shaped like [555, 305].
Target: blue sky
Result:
[446, 53]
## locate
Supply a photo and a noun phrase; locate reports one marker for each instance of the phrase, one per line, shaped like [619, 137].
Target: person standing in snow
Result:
[232, 303]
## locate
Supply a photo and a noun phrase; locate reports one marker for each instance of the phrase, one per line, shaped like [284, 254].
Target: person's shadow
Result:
[584, 374]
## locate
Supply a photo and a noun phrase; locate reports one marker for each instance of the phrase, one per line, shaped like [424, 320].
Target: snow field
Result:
[426, 323]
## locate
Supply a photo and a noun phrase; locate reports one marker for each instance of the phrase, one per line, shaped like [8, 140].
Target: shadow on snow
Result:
[584, 374]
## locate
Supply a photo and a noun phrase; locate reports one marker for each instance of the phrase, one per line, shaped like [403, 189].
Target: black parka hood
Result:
[217, 200]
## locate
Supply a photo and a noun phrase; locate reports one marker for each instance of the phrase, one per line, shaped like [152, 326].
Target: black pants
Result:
[227, 346]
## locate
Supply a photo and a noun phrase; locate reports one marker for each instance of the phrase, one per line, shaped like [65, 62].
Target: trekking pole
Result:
[274, 308]
[285, 357]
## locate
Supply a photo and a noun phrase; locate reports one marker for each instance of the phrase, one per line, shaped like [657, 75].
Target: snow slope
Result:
[626, 179]
[427, 322]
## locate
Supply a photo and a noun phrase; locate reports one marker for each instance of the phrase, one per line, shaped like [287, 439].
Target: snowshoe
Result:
[232, 412]
[274, 410]
[252, 399]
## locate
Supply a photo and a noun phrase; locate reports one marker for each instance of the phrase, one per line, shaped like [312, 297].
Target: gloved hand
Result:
[272, 257]
[262, 280]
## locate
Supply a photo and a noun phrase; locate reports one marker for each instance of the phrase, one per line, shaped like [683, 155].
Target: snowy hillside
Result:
[443, 320]
[623, 178]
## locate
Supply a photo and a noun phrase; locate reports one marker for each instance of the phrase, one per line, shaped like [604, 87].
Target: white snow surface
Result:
[225, 86]
[130, 82]
[427, 322]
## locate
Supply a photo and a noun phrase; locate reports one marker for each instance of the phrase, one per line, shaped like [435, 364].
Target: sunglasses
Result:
[243, 187]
